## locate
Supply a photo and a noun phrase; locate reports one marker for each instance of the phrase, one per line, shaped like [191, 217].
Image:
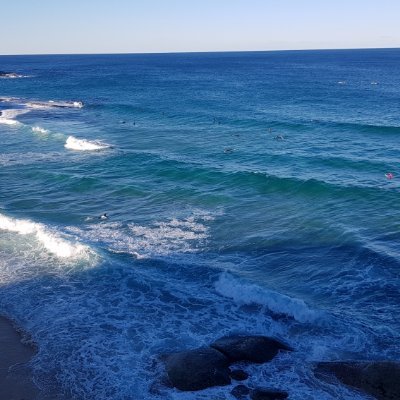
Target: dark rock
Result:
[239, 375]
[240, 391]
[197, 369]
[268, 394]
[258, 349]
[379, 379]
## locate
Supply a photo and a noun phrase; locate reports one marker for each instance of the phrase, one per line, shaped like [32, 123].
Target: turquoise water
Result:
[245, 192]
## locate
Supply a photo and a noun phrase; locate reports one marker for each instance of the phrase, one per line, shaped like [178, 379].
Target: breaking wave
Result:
[51, 241]
[12, 75]
[73, 143]
[247, 293]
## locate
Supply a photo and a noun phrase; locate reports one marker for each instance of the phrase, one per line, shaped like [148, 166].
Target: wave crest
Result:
[73, 143]
[51, 241]
[247, 293]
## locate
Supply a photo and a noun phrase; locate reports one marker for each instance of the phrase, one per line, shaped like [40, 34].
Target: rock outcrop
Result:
[379, 379]
[197, 369]
[209, 366]
[256, 349]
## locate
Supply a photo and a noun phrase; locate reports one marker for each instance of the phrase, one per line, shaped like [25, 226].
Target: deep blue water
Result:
[246, 192]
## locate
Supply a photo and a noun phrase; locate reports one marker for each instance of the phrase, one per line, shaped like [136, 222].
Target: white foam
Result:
[42, 104]
[77, 104]
[51, 104]
[38, 129]
[174, 236]
[73, 143]
[7, 117]
[247, 293]
[12, 75]
[51, 241]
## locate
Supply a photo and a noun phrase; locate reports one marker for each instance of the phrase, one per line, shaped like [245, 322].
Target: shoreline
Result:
[15, 374]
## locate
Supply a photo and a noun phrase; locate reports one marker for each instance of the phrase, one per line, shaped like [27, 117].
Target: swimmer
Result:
[279, 137]
[389, 175]
[228, 150]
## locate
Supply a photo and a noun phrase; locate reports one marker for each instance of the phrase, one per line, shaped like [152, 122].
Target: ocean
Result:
[244, 193]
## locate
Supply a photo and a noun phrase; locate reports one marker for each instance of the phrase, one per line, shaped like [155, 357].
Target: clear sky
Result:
[136, 26]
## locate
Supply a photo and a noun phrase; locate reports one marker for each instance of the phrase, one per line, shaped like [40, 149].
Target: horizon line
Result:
[199, 52]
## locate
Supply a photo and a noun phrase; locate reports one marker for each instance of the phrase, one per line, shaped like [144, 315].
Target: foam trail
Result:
[73, 143]
[7, 116]
[247, 293]
[11, 75]
[52, 104]
[51, 241]
[42, 104]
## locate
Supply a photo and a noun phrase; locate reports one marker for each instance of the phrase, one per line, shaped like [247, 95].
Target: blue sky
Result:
[131, 26]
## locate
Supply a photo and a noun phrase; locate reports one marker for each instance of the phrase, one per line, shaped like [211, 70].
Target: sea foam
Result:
[12, 75]
[73, 143]
[38, 129]
[51, 241]
[243, 292]
[7, 117]
[159, 239]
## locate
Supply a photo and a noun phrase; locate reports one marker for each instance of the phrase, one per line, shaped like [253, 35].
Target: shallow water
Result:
[246, 192]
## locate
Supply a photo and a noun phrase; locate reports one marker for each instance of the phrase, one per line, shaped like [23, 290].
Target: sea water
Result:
[243, 192]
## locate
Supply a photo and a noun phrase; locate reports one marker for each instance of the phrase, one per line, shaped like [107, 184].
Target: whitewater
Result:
[154, 203]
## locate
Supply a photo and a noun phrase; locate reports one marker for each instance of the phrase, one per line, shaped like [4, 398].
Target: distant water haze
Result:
[185, 26]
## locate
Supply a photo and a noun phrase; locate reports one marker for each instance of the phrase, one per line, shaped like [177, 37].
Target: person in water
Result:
[389, 175]
[104, 216]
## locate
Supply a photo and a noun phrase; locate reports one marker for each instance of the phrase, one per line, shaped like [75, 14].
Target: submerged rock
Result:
[240, 392]
[238, 375]
[257, 349]
[197, 369]
[268, 394]
[379, 379]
